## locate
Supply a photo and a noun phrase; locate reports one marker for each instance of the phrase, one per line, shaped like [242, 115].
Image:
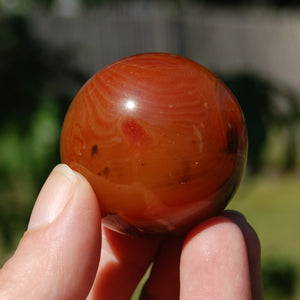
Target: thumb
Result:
[58, 256]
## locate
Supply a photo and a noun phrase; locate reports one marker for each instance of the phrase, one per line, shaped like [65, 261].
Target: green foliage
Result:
[279, 275]
[23, 7]
[34, 81]
[265, 106]
[271, 205]
[27, 6]
[30, 72]
[24, 160]
[91, 3]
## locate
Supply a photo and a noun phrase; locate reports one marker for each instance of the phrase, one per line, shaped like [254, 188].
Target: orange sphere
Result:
[161, 140]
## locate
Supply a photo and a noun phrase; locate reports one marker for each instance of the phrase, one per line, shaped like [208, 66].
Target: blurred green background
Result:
[49, 48]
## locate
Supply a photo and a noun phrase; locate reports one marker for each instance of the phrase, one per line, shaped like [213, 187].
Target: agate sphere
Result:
[162, 141]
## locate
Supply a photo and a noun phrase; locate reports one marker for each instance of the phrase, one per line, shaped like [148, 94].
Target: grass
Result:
[272, 206]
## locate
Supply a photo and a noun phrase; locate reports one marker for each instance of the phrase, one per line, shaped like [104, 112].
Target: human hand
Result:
[59, 254]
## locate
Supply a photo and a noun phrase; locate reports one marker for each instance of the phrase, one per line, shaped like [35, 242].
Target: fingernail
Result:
[57, 191]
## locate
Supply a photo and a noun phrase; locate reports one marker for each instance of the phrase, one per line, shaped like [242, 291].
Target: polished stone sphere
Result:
[162, 141]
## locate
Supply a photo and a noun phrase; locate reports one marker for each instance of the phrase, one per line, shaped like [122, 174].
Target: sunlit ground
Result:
[271, 204]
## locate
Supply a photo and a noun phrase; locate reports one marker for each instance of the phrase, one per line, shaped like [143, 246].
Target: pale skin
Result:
[59, 254]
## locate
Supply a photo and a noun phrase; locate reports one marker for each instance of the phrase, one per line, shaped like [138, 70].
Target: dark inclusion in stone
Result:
[94, 150]
[105, 172]
[232, 140]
